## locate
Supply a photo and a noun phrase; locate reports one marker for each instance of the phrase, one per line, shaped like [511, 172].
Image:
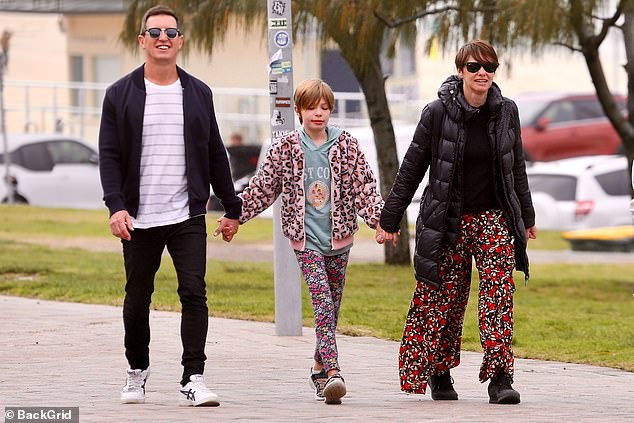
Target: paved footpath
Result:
[67, 354]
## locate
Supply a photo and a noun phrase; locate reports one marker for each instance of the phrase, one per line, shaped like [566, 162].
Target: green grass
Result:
[27, 222]
[574, 313]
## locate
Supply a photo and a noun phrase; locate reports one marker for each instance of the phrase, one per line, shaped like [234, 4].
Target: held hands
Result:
[121, 225]
[228, 228]
[381, 236]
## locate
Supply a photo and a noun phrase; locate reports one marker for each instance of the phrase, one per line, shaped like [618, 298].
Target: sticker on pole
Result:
[277, 119]
[281, 39]
[278, 23]
[278, 7]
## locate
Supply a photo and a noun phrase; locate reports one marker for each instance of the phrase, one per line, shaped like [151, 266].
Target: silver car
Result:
[581, 193]
[52, 170]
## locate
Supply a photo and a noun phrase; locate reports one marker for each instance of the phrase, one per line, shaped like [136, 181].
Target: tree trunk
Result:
[373, 85]
[628, 39]
[590, 49]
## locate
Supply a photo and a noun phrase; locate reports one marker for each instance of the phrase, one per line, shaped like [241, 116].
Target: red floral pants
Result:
[433, 329]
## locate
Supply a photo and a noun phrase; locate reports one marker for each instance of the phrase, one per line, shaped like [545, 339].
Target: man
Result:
[236, 140]
[160, 148]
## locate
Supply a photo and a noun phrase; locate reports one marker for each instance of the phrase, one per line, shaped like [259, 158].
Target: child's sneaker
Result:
[134, 390]
[335, 389]
[318, 381]
[196, 393]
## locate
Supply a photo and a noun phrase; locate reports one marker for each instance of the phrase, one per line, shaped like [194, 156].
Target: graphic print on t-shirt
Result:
[318, 194]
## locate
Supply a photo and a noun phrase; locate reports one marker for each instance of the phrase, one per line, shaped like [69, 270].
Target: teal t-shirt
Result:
[317, 221]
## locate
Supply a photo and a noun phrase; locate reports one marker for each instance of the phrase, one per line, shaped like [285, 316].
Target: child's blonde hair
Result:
[309, 92]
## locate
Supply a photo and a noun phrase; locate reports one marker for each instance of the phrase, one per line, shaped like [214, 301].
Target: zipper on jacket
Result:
[187, 164]
[332, 197]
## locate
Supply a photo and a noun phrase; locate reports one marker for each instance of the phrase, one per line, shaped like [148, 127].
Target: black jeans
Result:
[186, 243]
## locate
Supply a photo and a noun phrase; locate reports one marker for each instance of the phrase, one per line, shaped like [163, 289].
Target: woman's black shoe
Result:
[501, 391]
[442, 387]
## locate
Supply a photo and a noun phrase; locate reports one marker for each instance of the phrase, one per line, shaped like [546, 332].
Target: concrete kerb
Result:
[68, 354]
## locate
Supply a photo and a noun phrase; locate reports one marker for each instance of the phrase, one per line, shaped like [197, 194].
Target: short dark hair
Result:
[310, 92]
[158, 10]
[480, 50]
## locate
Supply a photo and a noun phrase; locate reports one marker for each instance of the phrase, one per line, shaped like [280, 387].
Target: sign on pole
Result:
[288, 294]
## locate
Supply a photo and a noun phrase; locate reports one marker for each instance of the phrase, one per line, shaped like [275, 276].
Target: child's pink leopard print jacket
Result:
[353, 186]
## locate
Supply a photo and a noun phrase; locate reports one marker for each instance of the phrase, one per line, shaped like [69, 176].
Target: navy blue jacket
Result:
[120, 146]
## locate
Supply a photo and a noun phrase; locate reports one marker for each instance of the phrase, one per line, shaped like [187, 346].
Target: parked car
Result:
[403, 135]
[52, 170]
[243, 160]
[557, 126]
[608, 238]
[581, 193]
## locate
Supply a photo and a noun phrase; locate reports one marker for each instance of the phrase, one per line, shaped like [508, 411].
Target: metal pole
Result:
[4, 59]
[288, 292]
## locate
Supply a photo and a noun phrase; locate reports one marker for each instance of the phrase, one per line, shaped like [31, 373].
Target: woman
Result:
[324, 182]
[477, 206]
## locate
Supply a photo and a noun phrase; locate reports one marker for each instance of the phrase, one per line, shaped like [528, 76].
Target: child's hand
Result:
[381, 236]
[228, 228]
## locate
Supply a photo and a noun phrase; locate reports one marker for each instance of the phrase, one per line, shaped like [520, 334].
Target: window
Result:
[588, 109]
[34, 157]
[560, 111]
[76, 75]
[560, 187]
[614, 183]
[107, 69]
[70, 152]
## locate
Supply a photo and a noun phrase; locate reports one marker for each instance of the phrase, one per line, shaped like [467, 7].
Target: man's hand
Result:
[121, 225]
[531, 233]
[228, 228]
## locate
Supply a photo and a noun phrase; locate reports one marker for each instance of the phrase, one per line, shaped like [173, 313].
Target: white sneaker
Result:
[196, 393]
[335, 389]
[134, 390]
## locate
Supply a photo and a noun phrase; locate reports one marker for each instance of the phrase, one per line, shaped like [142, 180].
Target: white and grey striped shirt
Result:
[163, 182]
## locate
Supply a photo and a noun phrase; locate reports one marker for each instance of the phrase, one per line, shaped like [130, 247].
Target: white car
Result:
[580, 193]
[403, 135]
[52, 170]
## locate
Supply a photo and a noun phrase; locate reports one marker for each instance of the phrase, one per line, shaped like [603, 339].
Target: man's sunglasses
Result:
[156, 32]
[473, 67]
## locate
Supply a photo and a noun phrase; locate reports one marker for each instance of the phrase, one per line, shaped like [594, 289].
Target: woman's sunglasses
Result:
[473, 67]
[156, 32]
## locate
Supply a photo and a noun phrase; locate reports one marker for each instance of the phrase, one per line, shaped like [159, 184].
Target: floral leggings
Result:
[433, 329]
[325, 277]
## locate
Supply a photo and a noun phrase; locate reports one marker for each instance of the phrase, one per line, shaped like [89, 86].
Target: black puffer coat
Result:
[438, 145]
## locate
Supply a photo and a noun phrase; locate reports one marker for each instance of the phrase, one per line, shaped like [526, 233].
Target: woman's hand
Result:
[381, 236]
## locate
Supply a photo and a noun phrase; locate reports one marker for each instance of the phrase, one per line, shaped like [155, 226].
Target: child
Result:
[325, 181]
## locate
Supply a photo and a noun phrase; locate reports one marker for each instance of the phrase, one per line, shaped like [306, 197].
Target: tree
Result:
[350, 24]
[579, 25]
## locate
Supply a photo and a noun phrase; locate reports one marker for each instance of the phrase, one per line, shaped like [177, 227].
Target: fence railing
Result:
[75, 108]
